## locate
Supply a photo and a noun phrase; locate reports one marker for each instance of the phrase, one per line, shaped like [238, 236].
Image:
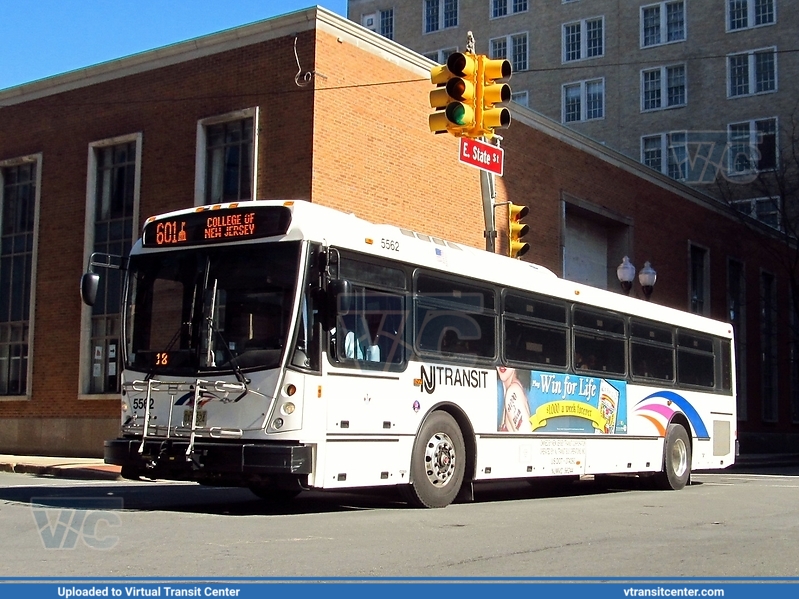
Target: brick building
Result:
[312, 106]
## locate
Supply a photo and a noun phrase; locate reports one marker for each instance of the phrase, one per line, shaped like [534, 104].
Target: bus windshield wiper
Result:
[233, 361]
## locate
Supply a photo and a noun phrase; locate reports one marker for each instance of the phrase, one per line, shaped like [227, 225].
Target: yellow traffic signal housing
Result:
[516, 230]
[491, 92]
[455, 97]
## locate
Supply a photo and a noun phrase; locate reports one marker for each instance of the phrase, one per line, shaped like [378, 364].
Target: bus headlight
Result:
[277, 423]
[288, 408]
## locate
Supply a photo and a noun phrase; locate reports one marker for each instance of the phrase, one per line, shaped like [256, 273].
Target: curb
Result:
[99, 472]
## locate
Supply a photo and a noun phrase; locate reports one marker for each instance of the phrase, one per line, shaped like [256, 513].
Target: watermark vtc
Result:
[67, 523]
[703, 156]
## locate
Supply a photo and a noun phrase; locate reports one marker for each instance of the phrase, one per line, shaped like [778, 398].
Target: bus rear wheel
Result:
[438, 463]
[676, 459]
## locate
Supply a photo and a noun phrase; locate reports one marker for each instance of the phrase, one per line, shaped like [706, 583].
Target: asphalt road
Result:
[726, 524]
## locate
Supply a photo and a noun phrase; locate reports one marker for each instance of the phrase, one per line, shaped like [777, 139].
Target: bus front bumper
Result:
[167, 458]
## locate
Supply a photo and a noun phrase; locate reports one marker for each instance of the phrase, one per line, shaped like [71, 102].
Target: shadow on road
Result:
[232, 501]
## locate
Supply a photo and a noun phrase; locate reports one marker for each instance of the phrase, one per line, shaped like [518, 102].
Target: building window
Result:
[745, 14]
[736, 301]
[698, 288]
[381, 22]
[19, 198]
[440, 14]
[663, 87]
[113, 203]
[229, 162]
[768, 341]
[387, 23]
[440, 56]
[767, 210]
[502, 8]
[521, 98]
[498, 48]
[583, 39]
[752, 146]
[666, 153]
[584, 101]
[226, 158]
[752, 72]
[662, 23]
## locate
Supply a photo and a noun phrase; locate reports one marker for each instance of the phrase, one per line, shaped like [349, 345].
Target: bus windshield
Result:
[213, 309]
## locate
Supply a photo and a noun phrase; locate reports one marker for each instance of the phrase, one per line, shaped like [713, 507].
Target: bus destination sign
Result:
[217, 226]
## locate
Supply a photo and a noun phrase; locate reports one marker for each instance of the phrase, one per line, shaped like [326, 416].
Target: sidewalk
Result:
[59, 467]
[95, 469]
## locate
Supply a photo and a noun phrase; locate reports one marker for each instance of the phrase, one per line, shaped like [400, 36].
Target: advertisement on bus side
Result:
[547, 402]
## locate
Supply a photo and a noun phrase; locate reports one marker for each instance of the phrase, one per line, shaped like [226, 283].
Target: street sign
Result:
[484, 156]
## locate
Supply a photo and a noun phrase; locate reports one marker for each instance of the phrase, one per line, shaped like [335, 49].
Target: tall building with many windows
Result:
[700, 90]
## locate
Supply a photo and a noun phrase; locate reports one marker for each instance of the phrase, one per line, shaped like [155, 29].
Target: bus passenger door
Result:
[366, 357]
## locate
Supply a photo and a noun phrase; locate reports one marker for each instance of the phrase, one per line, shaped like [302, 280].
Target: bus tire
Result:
[438, 463]
[676, 460]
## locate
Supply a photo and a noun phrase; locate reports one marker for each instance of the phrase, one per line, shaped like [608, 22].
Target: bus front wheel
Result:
[437, 464]
[676, 459]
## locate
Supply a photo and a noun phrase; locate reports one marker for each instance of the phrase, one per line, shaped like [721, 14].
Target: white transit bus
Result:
[285, 346]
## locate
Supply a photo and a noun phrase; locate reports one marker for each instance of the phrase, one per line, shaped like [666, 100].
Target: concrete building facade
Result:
[311, 106]
[687, 87]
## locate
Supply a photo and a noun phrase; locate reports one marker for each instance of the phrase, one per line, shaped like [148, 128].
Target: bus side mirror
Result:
[89, 284]
[338, 300]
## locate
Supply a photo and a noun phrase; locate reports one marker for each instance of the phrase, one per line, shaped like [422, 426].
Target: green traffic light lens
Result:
[458, 114]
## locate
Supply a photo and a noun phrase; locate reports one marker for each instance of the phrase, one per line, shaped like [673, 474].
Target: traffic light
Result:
[491, 92]
[455, 97]
[517, 230]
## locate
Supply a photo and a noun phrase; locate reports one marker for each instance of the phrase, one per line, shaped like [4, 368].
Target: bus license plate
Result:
[202, 418]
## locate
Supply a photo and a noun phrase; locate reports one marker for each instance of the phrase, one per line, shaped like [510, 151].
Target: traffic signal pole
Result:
[489, 194]
[468, 88]
[488, 189]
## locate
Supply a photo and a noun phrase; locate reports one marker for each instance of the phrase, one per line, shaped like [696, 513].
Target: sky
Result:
[42, 38]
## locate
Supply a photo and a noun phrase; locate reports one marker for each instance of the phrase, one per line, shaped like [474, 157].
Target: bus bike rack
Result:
[198, 386]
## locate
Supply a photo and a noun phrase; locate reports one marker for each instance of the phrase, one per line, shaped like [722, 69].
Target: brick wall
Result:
[374, 154]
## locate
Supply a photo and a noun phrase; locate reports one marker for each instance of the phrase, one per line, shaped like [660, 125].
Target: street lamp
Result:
[626, 274]
[646, 277]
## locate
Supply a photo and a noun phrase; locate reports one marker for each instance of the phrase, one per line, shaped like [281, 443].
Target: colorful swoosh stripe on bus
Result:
[666, 412]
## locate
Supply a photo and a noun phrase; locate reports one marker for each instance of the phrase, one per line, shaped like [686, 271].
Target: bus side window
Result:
[454, 318]
[533, 343]
[599, 342]
[651, 350]
[695, 360]
[372, 333]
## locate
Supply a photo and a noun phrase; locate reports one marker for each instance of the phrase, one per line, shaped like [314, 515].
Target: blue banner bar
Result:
[393, 588]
